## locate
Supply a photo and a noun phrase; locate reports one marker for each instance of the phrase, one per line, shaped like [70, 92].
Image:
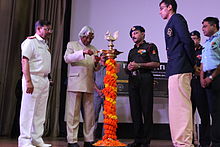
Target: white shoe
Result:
[43, 145]
[29, 145]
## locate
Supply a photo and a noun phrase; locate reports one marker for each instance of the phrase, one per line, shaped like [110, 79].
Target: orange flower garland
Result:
[110, 117]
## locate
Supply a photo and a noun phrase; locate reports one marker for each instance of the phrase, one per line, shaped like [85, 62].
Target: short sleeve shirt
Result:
[211, 52]
[146, 52]
[37, 51]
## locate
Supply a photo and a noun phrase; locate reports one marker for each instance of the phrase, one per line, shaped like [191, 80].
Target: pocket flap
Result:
[74, 75]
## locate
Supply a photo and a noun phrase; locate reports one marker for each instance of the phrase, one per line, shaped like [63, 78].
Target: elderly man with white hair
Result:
[80, 57]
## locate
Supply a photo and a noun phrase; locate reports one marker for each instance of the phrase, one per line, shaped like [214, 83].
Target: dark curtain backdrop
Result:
[17, 18]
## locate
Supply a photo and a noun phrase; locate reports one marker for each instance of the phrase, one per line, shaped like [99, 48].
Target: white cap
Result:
[85, 31]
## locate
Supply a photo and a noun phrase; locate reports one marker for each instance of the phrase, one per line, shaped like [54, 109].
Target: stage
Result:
[61, 142]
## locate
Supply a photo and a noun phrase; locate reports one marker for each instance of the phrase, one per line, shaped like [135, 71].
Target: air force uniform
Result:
[210, 61]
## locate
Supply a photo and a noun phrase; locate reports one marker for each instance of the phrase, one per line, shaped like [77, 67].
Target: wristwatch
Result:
[210, 77]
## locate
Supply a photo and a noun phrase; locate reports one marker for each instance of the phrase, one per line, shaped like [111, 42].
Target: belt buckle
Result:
[134, 73]
[210, 71]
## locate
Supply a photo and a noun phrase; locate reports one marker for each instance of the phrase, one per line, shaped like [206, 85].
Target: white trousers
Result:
[33, 111]
[180, 110]
[72, 116]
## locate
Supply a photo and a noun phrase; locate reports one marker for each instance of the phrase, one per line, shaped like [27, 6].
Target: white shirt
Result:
[36, 49]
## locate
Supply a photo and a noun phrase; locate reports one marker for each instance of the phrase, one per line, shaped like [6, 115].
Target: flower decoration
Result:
[110, 117]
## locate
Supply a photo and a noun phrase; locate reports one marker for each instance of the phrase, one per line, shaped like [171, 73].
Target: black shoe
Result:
[73, 145]
[88, 144]
[134, 144]
[145, 145]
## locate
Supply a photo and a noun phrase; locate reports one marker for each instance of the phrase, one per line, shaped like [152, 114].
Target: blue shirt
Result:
[99, 77]
[211, 52]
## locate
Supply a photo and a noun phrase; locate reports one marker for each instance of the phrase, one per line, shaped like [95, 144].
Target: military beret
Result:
[195, 33]
[134, 28]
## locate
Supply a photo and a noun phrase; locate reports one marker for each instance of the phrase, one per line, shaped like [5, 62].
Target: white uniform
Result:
[79, 90]
[33, 106]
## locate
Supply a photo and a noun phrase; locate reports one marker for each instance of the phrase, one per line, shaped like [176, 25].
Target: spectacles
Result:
[48, 30]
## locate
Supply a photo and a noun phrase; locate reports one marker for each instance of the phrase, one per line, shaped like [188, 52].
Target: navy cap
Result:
[134, 28]
[195, 33]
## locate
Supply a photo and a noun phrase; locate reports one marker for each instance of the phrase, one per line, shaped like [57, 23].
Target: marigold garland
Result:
[110, 117]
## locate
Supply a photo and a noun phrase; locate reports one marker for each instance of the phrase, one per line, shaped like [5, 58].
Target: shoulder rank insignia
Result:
[31, 37]
[141, 51]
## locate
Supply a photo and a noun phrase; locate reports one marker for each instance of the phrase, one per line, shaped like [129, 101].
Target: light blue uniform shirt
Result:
[211, 52]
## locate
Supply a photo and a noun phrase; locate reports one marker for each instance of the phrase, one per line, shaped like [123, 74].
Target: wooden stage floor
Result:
[61, 142]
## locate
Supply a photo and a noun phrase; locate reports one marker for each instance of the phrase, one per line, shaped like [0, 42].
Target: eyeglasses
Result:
[48, 30]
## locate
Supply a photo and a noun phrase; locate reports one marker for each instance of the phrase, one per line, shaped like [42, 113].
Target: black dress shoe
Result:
[134, 144]
[73, 145]
[88, 144]
[145, 145]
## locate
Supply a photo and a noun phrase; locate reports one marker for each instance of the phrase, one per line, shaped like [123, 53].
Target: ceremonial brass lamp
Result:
[110, 91]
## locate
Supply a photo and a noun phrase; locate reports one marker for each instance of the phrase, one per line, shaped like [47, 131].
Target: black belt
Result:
[195, 76]
[140, 71]
[208, 72]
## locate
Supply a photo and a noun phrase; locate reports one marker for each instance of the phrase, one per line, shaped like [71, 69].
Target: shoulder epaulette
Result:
[31, 37]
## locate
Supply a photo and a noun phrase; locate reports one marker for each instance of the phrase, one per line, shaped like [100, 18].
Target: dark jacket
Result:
[179, 46]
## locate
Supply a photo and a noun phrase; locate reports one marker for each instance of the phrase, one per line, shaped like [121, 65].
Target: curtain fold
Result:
[17, 22]
[13, 31]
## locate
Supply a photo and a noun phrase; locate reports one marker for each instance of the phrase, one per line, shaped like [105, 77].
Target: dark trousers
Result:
[98, 104]
[141, 106]
[200, 101]
[213, 94]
